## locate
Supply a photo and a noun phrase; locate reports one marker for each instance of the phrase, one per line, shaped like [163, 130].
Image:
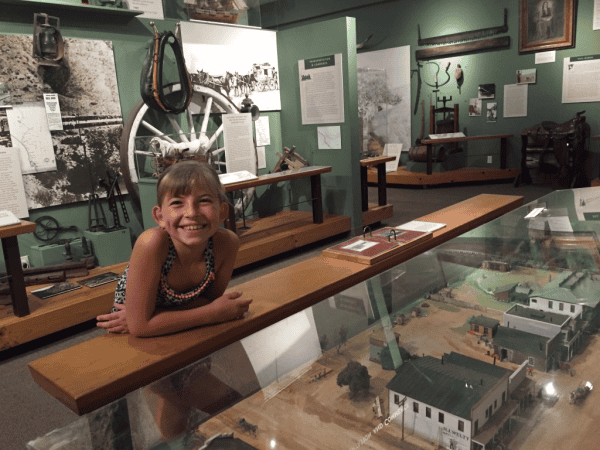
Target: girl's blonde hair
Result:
[186, 177]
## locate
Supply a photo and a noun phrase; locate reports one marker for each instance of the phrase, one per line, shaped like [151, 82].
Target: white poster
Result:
[393, 150]
[12, 190]
[596, 24]
[263, 133]
[329, 137]
[384, 101]
[515, 100]
[239, 144]
[321, 89]
[30, 135]
[581, 79]
[152, 9]
[234, 61]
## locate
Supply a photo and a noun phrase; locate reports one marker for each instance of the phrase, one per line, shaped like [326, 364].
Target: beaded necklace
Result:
[208, 278]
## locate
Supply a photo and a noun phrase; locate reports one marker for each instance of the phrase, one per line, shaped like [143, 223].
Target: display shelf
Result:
[53, 5]
[86, 376]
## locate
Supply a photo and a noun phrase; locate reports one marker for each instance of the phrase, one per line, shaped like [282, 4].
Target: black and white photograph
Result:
[384, 98]
[56, 289]
[486, 91]
[492, 112]
[475, 107]
[234, 62]
[99, 280]
[88, 146]
[527, 76]
[5, 99]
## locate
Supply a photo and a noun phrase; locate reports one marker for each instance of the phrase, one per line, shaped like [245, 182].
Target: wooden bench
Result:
[94, 373]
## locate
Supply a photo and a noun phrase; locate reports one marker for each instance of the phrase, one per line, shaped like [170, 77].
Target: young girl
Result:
[175, 280]
[178, 273]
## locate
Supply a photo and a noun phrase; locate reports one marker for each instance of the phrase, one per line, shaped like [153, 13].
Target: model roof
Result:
[536, 314]
[484, 321]
[571, 287]
[506, 288]
[453, 384]
[528, 343]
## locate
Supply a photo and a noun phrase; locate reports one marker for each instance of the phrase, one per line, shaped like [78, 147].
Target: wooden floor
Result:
[466, 174]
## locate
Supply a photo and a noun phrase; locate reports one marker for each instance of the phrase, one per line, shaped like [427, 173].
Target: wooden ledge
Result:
[466, 138]
[376, 160]
[94, 373]
[277, 177]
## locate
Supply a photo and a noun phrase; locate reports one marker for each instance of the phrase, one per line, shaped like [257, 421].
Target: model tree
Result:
[342, 337]
[356, 377]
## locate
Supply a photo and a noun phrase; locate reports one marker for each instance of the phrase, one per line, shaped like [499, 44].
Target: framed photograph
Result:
[546, 25]
[527, 76]
[486, 91]
[492, 112]
[475, 107]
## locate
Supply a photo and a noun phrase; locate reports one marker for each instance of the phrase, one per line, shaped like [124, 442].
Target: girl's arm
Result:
[144, 320]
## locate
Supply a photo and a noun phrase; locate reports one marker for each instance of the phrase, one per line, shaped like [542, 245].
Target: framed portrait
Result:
[546, 25]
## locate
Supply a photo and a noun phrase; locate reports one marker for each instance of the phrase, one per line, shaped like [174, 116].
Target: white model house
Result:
[457, 402]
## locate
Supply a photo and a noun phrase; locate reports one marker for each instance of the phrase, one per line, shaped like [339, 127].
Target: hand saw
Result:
[465, 35]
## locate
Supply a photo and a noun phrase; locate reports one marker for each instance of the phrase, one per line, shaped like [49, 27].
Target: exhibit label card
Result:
[12, 190]
[321, 90]
[581, 79]
[515, 100]
[240, 153]
[153, 9]
[53, 112]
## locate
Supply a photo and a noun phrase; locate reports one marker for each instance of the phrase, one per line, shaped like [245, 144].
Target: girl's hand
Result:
[230, 306]
[114, 322]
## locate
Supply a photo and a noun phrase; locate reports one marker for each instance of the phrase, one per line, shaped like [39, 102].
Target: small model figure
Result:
[247, 427]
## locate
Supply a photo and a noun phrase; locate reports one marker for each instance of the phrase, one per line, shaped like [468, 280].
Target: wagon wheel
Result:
[147, 131]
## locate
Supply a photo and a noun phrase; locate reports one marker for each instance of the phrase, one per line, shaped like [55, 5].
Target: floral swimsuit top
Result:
[167, 297]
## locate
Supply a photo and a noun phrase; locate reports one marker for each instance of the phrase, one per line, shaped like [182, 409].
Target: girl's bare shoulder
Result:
[153, 239]
[225, 239]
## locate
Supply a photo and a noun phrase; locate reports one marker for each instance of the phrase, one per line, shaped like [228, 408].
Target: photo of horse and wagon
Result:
[260, 78]
[234, 62]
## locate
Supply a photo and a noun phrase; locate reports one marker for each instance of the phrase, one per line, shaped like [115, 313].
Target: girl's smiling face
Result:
[191, 219]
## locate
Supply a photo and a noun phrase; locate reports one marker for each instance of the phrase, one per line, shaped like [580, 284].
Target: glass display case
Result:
[487, 341]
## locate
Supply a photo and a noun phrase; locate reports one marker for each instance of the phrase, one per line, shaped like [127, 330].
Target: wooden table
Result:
[431, 142]
[375, 213]
[314, 172]
[14, 269]
[379, 162]
[96, 372]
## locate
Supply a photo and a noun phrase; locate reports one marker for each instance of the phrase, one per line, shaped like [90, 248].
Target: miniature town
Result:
[501, 354]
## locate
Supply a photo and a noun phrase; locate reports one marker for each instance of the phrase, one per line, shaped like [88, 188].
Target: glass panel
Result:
[350, 371]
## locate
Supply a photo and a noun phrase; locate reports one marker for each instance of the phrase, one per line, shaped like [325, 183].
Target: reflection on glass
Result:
[487, 341]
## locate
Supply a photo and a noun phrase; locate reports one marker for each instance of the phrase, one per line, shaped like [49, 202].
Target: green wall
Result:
[341, 187]
[394, 24]
[310, 28]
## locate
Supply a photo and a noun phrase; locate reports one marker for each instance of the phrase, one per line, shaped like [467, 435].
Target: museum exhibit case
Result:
[486, 341]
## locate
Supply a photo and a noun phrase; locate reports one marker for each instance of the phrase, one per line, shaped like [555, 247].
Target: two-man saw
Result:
[476, 36]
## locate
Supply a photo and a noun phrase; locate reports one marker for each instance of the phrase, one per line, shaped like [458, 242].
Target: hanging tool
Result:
[465, 35]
